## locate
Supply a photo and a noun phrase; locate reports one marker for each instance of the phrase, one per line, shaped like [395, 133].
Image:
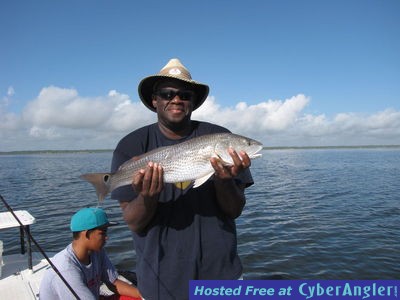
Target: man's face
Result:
[173, 102]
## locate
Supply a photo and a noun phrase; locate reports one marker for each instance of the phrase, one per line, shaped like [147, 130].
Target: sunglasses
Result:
[169, 94]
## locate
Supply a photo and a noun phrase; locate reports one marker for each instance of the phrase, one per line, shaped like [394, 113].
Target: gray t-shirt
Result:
[84, 279]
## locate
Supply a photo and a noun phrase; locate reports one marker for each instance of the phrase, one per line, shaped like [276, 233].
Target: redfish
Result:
[186, 161]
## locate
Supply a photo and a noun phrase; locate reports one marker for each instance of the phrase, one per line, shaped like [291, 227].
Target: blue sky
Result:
[287, 72]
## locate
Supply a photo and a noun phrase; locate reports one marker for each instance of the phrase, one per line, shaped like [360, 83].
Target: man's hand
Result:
[241, 162]
[149, 182]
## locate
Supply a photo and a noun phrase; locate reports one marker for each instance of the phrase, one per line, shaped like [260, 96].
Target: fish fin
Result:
[199, 181]
[99, 181]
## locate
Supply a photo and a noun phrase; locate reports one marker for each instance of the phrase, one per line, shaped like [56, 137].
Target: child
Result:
[84, 263]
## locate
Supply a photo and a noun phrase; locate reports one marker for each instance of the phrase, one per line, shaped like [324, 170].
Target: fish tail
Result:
[100, 183]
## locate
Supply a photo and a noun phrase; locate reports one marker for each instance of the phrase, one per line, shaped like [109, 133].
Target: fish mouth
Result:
[256, 155]
[253, 151]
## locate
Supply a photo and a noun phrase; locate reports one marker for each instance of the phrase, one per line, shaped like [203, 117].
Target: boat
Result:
[21, 273]
[17, 281]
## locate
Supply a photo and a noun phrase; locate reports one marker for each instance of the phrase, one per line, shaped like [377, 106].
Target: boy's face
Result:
[97, 239]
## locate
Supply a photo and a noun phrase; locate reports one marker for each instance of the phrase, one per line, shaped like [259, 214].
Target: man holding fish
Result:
[181, 232]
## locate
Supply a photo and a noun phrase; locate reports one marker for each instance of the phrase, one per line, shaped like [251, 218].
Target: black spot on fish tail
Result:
[100, 183]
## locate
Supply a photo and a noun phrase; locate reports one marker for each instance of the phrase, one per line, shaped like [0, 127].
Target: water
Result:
[312, 214]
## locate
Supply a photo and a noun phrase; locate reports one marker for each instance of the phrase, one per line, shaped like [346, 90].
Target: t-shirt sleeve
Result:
[129, 147]
[245, 178]
[109, 273]
[126, 192]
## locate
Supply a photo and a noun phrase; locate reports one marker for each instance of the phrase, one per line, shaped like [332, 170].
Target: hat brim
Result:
[104, 226]
[145, 90]
[109, 224]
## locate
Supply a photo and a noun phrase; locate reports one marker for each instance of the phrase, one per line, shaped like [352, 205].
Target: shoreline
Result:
[27, 152]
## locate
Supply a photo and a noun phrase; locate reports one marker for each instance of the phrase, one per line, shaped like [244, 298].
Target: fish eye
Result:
[106, 178]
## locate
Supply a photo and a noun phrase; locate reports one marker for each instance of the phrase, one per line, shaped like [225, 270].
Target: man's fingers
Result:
[137, 180]
[155, 179]
[160, 178]
[246, 161]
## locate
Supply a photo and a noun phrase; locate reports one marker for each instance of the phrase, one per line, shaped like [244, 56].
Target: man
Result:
[84, 263]
[179, 233]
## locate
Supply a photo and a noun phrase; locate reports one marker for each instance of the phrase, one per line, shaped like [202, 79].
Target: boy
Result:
[84, 263]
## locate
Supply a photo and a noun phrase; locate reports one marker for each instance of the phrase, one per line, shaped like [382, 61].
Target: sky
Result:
[285, 72]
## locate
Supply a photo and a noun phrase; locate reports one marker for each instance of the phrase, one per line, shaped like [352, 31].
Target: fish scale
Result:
[186, 161]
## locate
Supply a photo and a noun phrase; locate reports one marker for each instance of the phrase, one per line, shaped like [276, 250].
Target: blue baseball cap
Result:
[89, 218]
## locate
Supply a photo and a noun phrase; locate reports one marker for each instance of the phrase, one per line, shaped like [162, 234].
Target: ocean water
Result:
[311, 214]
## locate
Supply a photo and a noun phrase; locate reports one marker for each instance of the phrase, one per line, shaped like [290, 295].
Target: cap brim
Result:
[109, 224]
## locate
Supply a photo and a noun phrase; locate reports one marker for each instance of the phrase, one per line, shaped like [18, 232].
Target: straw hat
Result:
[173, 69]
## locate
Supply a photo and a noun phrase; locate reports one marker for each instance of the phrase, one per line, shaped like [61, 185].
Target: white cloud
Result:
[269, 116]
[60, 118]
[64, 108]
[10, 91]
[5, 101]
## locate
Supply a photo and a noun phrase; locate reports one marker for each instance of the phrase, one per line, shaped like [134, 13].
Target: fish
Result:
[182, 162]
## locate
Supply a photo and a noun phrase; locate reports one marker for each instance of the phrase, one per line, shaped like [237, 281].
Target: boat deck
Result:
[19, 282]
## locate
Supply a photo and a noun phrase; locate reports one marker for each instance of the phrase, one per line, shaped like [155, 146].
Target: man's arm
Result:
[230, 196]
[148, 183]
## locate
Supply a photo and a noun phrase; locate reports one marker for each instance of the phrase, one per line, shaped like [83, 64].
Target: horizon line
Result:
[264, 148]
